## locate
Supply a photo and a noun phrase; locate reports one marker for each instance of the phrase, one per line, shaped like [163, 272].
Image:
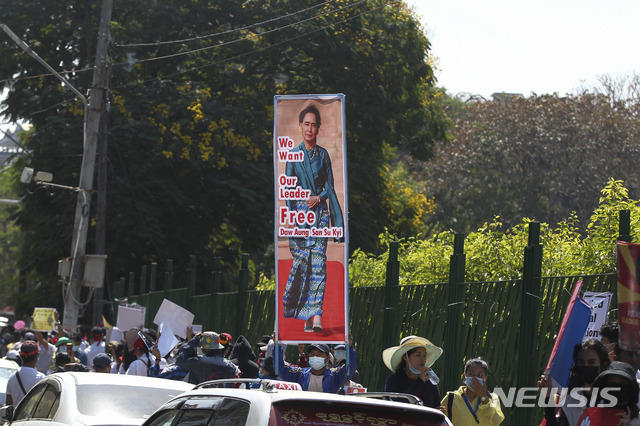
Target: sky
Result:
[530, 46]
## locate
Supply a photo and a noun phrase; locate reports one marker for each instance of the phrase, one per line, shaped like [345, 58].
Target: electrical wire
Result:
[242, 54]
[160, 43]
[248, 37]
[31, 77]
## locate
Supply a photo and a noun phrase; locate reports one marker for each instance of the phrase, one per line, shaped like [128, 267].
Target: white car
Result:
[7, 367]
[73, 398]
[274, 404]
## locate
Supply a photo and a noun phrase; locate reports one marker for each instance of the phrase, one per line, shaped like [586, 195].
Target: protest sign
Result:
[167, 339]
[311, 226]
[178, 318]
[129, 318]
[43, 319]
[599, 303]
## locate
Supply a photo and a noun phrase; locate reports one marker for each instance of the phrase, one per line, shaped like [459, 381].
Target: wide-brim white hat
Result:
[393, 356]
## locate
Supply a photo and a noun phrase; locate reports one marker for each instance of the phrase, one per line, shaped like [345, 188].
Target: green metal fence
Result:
[511, 324]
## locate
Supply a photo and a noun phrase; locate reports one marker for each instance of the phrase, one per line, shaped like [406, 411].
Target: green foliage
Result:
[10, 239]
[190, 166]
[495, 254]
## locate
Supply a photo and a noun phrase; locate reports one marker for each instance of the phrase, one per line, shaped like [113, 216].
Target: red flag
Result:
[628, 296]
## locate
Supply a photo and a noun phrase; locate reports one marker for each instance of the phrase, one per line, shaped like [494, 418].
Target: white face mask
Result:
[316, 362]
[340, 355]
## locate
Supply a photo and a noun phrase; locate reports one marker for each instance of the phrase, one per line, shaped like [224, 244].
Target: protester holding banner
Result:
[319, 376]
[304, 293]
[411, 362]
[473, 404]
[590, 358]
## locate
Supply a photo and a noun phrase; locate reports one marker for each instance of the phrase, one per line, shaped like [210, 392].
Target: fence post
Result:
[191, 282]
[132, 283]
[453, 356]
[624, 226]
[118, 290]
[529, 318]
[243, 285]
[391, 295]
[168, 278]
[143, 279]
[152, 277]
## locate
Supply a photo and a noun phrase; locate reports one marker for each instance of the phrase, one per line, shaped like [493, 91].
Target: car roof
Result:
[91, 378]
[258, 396]
[7, 363]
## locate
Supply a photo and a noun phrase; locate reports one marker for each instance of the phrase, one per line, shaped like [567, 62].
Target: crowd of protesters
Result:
[319, 367]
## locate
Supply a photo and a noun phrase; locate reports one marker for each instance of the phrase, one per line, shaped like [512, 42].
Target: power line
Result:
[30, 77]
[173, 55]
[246, 53]
[159, 43]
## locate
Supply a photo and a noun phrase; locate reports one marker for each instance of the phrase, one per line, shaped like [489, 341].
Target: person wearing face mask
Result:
[411, 362]
[620, 382]
[590, 358]
[319, 376]
[472, 404]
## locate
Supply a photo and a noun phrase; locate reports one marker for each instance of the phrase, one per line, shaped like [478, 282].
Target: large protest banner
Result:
[628, 296]
[311, 226]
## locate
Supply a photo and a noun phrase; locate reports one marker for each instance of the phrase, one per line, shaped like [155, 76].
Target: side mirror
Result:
[6, 413]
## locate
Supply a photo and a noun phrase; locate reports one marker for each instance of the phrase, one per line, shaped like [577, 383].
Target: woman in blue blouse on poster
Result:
[304, 293]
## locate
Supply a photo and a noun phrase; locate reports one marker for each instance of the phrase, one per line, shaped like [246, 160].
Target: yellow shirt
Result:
[488, 414]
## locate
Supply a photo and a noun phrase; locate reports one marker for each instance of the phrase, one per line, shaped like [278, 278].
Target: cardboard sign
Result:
[44, 319]
[177, 317]
[354, 389]
[167, 339]
[599, 303]
[129, 318]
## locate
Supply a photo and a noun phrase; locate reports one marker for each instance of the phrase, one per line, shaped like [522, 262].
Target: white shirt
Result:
[29, 377]
[140, 366]
[45, 357]
[93, 350]
[315, 383]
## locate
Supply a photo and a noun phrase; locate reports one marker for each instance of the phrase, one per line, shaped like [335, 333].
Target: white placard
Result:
[129, 318]
[167, 340]
[599, 303]
[196, 328]
[176, 316]
[116, 335]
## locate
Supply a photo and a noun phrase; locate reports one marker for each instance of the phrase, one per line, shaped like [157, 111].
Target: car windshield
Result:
[113, 401]
[4, 377]
[327, 413]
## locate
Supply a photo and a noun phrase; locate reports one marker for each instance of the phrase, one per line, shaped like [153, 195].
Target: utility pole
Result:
[99, 87]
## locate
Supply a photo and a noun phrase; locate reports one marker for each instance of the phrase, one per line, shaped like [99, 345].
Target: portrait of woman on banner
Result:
[305, 288]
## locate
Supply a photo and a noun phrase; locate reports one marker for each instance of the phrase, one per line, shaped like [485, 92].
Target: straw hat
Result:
[393, 356]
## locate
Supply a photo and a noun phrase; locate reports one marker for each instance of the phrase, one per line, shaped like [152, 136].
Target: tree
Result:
[541, 157]
[190, 144]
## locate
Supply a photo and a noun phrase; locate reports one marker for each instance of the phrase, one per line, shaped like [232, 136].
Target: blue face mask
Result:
[411, 368]
[316, 362]
[467, 381]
